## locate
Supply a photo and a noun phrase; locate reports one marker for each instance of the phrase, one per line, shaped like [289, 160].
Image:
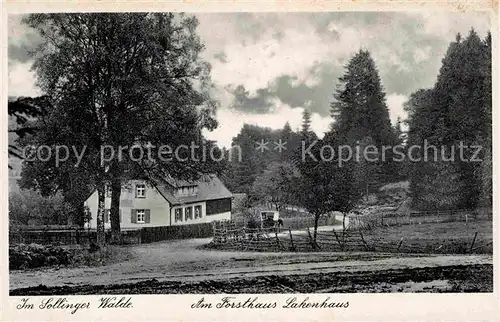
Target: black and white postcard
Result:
[225, 161]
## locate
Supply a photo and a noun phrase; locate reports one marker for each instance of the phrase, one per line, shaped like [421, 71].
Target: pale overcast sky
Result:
[275, 64]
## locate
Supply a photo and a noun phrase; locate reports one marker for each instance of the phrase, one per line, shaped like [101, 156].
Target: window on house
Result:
[140, 191]
[107, 191]
[218, 206]
[189, 213]
[197, 212]
[141, 216]
[178, 214]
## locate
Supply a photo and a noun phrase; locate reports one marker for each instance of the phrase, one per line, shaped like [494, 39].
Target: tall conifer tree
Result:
[361, 114]
[457, 111]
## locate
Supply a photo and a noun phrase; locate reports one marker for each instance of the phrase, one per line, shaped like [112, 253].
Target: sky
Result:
[268, 67]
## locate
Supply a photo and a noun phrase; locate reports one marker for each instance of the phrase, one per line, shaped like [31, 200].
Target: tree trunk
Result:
[79, 214]
[101, 237]
[316, 220]
[116, 190]
[343, 227]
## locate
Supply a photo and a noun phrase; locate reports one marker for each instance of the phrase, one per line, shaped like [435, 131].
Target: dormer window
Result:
[187, 191]
[140, 191]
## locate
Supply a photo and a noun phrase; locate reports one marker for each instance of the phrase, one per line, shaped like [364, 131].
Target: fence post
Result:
[291, 238]
[278, 242]
[473, 241]
[364, 241]
[400, 243]
[311, 239]
[338, 240]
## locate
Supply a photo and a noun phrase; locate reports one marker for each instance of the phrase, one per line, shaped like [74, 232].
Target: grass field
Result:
[438, 238]
[451, 237]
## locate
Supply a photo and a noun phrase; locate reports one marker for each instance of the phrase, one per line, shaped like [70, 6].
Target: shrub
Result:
[29, 207]
[24, 256]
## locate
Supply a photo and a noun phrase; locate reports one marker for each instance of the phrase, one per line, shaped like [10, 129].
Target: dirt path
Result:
[455, 279]
[183, 261]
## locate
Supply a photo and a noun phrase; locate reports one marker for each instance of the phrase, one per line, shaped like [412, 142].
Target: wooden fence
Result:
[53, 235]
[297, 222]
[66, 235]
[230, 237]
[392, 218]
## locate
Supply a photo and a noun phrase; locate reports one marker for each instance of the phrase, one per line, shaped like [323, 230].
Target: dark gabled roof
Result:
[177, 183]
[209, 188]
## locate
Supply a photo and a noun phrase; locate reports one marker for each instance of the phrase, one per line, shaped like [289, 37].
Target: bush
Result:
[24, 256]
[28, 207]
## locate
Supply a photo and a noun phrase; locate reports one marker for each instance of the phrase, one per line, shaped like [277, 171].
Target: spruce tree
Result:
[291, 141]
[360, 113]
[487, 164]
[457, 111]
[362, 110]
[306, 123]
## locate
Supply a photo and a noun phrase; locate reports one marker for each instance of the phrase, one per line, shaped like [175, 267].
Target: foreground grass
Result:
[105, 256]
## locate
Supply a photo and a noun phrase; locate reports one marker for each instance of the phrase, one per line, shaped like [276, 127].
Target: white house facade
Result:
[147, 204]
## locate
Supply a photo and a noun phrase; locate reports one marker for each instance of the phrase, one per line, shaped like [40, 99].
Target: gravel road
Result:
[183, 260]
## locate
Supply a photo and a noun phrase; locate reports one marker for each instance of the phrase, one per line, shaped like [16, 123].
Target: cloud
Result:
[21, 41]
[221, 56]
[407, 47]
[447, 26]
[395, 104]
[273, 64]
[318, 88]
[422, 54]
[22, 81]
[243, 101]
